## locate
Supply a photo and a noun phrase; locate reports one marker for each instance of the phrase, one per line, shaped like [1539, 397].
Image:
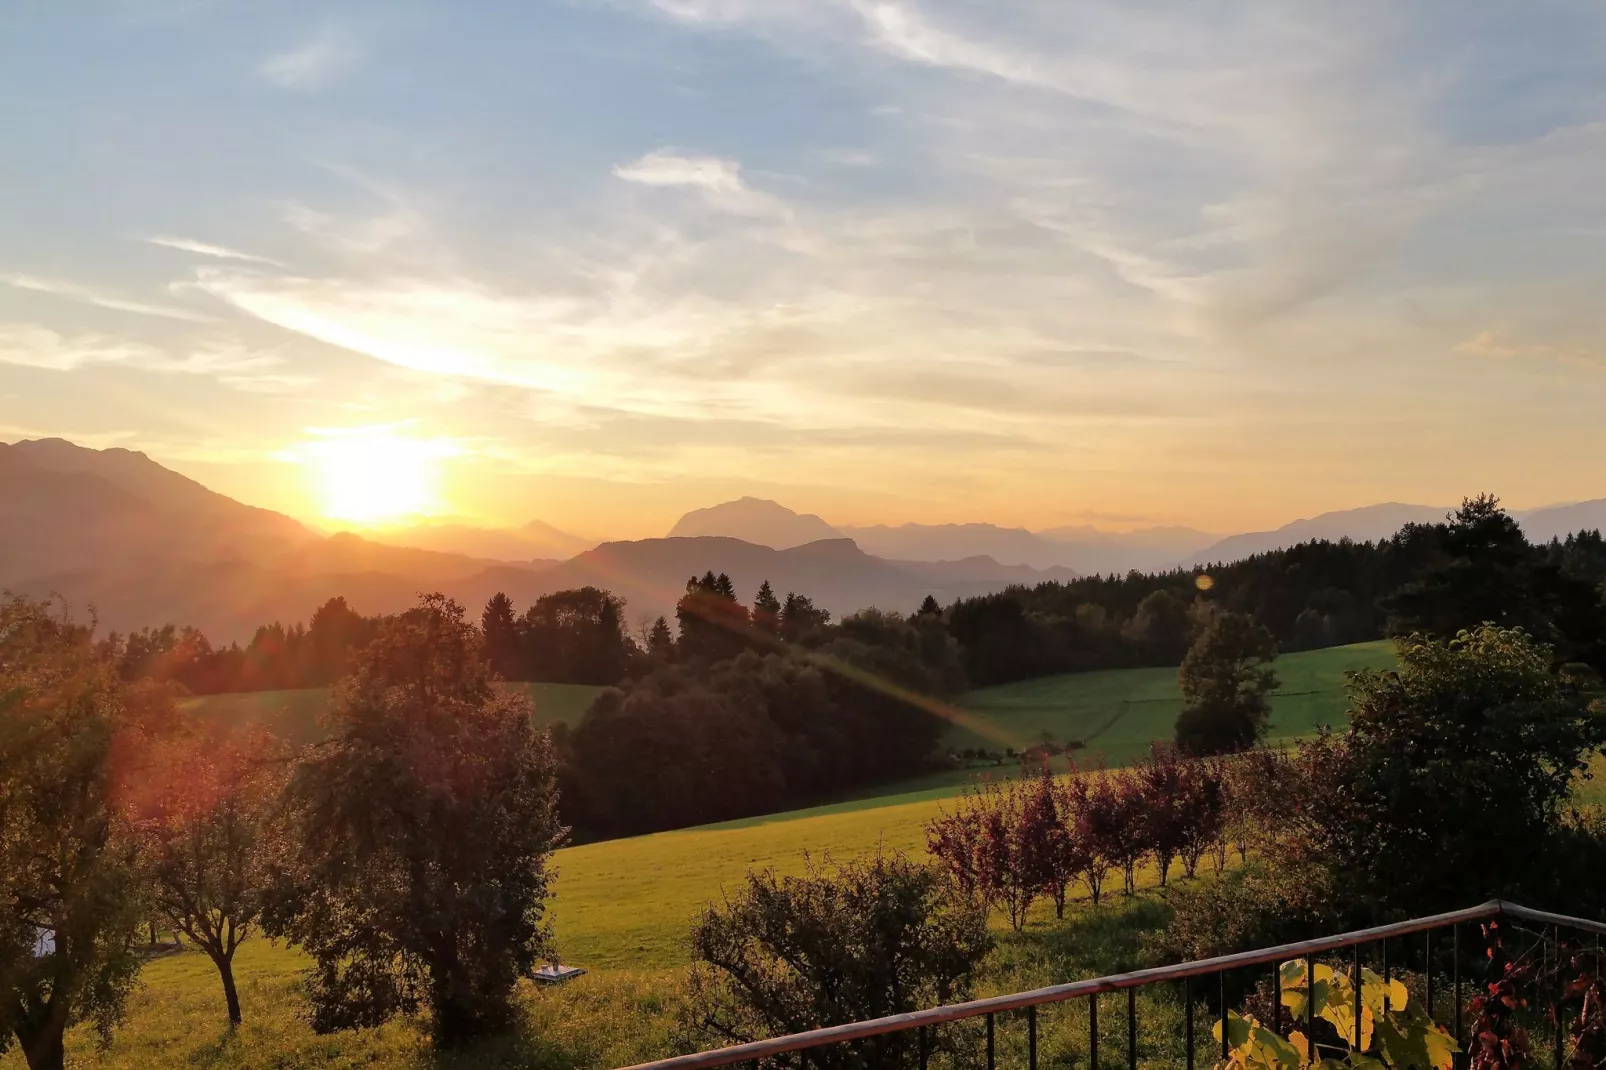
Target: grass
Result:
[623, 908]
[1116, 713]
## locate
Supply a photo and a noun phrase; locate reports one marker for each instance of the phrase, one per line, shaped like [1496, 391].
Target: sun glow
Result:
[373, 476]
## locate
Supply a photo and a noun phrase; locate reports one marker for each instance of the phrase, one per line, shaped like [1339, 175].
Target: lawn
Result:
[623, 908]
[1116, 713]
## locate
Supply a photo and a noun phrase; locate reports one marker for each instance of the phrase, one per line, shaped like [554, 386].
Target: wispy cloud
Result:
[200, 248]
[719, 181]
[313, 63]
[240, 368]
[86, 295]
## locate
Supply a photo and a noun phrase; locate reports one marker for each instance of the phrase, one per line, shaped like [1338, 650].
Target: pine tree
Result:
[501, 632]
[766, 608]
[661, 641]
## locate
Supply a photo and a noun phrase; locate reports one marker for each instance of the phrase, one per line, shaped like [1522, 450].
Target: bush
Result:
[842, 943]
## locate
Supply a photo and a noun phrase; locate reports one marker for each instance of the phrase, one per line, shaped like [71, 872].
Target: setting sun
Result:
[376, 476]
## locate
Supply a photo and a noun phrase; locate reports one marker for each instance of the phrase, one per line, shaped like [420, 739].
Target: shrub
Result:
[842, 943]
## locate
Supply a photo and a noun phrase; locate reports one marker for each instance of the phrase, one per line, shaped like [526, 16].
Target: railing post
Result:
[1455, 977]
[1358, 1038]
[1383, 953]
[924, 1048]
[1277, 998]
[1187, 1018]
[1427, 967]
[1561, 987]
[1132, 1028]
[1031, 1037]
[1093, 1030]
[1310, 1006]
[1226, 1047]
[991, 1051]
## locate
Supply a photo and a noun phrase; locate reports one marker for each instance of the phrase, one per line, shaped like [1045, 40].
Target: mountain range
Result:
[114, 532]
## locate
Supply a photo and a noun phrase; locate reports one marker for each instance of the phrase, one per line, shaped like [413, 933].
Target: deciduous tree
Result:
[205, 834]
[424, 828]
[73, 737]
[1225, 680]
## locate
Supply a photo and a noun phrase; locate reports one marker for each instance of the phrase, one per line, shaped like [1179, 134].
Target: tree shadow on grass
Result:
[518, 1050]
[1091, 941]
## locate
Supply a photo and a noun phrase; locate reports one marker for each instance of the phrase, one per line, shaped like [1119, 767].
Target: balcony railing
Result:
[926, 1022]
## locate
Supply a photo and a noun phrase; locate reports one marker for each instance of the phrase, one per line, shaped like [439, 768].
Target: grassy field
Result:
[294, 715]
[1117, 713]
[628, 903]
[623, 908]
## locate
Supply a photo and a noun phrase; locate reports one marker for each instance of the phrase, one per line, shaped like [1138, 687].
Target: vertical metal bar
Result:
[1561, 981]
[1357, 1045]
[1383, 953]
[991, 1049]
[1031, 1037]
[1093, 1031]
[1427, 966]
[1132, 1029]
[1187, 1018]
[1310, 1005]
[1226, 1048]
[1455, 978]
[1276, 998]
[924, 1048]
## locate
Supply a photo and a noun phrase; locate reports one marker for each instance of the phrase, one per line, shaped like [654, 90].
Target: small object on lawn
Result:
[555, 973]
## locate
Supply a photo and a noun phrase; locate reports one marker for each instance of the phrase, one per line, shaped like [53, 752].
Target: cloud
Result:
[220, 252]
[1498, 345]
[32, 346]
[314, 63]
[85, 295]
[35, 346]
[719, 181]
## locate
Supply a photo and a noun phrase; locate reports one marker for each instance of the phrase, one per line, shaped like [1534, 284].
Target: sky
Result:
[598, 262]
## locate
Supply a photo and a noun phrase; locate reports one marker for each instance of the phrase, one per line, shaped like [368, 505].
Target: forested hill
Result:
[1433, 577]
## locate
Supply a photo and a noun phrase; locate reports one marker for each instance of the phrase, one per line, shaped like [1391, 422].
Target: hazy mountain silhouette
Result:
[162, 488]
[1085, 550]
[651, 574]
[1559, 521]
[1366, 524]
[536, 541]
[143, 545]
[755, 520]
[952, 542]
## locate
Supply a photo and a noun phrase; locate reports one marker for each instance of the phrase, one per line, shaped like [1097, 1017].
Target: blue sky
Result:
[1033, 263]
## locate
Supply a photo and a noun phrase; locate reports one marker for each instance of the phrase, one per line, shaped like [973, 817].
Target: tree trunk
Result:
[42, 1047]
[225, 969]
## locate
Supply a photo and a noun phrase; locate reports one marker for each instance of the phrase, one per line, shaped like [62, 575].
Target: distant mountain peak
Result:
[759, 521]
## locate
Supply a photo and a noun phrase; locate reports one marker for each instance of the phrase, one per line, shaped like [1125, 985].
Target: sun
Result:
[375, 477]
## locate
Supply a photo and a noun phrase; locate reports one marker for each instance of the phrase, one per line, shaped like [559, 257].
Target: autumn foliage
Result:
[1011, 843]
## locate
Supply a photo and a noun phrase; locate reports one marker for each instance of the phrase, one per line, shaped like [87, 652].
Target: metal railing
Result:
[926, 1021]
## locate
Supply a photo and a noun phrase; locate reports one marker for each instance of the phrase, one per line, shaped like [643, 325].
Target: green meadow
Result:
[623, 908]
